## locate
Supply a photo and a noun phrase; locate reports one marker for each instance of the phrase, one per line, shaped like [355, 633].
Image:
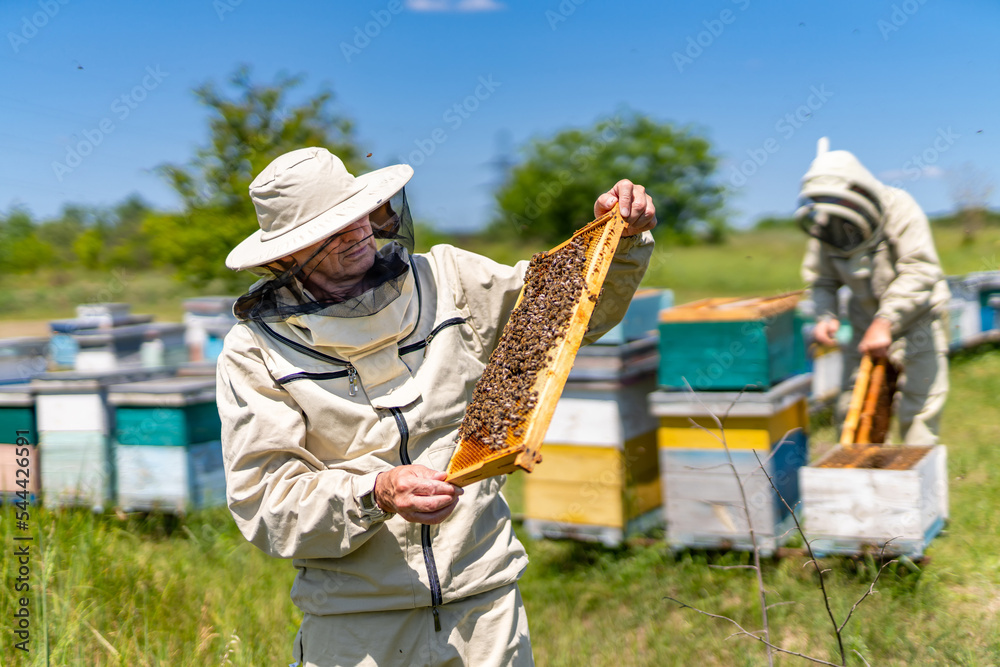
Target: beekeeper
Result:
[341, 390]
[877, 241]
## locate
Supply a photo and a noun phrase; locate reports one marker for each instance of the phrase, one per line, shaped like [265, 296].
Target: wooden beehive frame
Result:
[473, 461]
[731, 308]
[867, 421]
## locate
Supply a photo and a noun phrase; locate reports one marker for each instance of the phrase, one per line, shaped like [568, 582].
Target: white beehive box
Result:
[854, 510]
[170, 478]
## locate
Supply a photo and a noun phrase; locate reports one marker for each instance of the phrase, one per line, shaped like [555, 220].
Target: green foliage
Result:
[552, 192]
[21, 251]
[250, 124]
[772, 222]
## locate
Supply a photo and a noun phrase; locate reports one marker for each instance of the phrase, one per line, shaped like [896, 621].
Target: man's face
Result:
[347, 257]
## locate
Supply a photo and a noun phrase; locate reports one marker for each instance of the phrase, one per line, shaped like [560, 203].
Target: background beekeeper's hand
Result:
[825, 330]
[635, 205]
[877, 339]
[416, 493]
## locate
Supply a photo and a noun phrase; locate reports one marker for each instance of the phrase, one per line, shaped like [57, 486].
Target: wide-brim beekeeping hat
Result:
[841, 203]
[306, 195]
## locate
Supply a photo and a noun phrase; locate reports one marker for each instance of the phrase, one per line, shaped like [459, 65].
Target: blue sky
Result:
[911, 87]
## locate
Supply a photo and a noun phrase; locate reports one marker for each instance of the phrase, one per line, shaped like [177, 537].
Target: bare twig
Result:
[819, 570]
[746, 510]
[871, 588]
[861, 656]
[778, 604]
[744, 631]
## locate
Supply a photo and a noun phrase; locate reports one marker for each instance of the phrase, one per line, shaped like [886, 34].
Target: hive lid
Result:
[731, 309]
[62, 382]
[16, 395]
[474, 461]
[737, 404]
[164, 392]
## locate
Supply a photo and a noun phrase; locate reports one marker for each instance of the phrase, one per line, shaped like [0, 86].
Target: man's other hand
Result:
[825, 330]
[635, 205]
[416, 493]
[877, 338]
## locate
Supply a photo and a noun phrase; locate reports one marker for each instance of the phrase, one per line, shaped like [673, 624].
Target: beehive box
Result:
[600, 478]
[170, 478]
[17, 424]
[166, 445]
[10, 455]
[74, 422]
[985, 284]
[164, 345]
[215, 335]
[702, 504]
[176, 411]
[17, 413]
[631, 361]
[902, 500]
[108, 349]
[965, 318]
[77, 469]
[22, 358]
[642, 317]
[201, 313]
[827, 372]
[730, 344]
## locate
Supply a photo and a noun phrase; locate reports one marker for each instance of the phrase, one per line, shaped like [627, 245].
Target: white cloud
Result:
[454, 5]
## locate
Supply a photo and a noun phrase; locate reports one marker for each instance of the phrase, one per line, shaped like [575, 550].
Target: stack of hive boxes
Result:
[17, 425]
[987, 285]
[102, 336]
[74, 428]
[167, 448]
[742, 360]
[208, 319]
[599, 478]
[22, 358]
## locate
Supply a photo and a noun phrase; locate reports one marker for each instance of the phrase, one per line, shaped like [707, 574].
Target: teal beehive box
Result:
[17, 413]
[169, 412]
[731, 343]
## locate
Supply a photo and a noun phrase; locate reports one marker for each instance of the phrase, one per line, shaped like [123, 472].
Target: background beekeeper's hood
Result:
[305, 196]
[841, 203]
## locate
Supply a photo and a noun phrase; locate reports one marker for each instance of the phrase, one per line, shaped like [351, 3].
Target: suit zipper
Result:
[413, 347]
[425, 530]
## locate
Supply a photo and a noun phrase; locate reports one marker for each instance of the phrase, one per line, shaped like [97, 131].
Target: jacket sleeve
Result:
[624, 275]
[818, 272]
[909, 296]
[490, 289]
[284, 500]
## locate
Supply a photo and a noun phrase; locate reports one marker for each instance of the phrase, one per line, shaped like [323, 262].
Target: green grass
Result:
[161, 594]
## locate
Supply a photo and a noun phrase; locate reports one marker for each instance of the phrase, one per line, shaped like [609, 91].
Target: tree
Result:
[21, 251]
[551, 193]
[250, 124]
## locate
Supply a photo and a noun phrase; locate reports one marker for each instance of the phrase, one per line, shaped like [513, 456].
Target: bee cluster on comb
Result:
[505, 395]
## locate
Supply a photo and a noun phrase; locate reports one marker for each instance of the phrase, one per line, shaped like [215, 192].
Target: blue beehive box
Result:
[641, 318]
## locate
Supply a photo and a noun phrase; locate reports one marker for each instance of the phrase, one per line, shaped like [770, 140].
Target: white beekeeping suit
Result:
[877, 241]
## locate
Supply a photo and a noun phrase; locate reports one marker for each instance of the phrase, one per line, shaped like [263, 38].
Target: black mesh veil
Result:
[285, 289]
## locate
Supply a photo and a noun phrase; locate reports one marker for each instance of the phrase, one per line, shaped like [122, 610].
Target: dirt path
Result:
[15, 328]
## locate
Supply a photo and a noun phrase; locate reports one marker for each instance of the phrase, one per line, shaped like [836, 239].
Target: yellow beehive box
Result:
[751, 420]
[600, 480]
